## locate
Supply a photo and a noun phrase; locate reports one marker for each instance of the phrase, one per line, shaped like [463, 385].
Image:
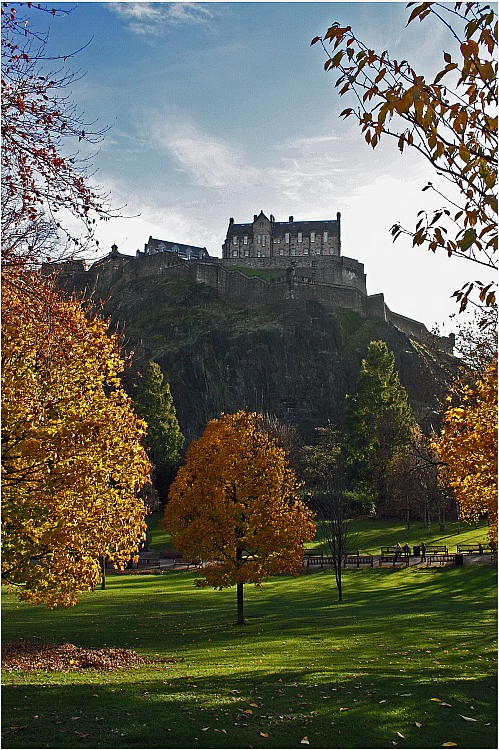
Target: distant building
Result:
[186, 252]
[268, 238]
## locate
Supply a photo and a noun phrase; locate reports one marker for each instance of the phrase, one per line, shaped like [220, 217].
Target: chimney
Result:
[231, 220]
[255, 217]
[114, 249]
[291, 219]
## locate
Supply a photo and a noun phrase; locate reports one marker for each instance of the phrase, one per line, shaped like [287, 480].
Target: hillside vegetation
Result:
[296, 360]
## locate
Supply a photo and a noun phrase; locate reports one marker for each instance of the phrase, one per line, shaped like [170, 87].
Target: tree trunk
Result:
[240, 610]
[103, 572]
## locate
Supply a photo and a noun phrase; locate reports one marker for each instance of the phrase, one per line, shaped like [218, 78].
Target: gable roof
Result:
[184, 251]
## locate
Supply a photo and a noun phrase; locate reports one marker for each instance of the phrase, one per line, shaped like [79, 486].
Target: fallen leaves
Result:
[25, 656]
[304, 741]
[467, 718]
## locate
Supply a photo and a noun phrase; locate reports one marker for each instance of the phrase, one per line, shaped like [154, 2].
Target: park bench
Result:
[474, 549]
[319, 560]
[394, 559]
[178, 559]
[392, 551]
[436, 549]
[358, 560]
[148, 562]
[440, 559]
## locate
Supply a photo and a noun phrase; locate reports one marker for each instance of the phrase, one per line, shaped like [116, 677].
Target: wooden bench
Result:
[436, 549]
[319, 560]
[440, 559]
[392, 551]
[474, 549]
[358, 560]
[148, 562]
[394, 559]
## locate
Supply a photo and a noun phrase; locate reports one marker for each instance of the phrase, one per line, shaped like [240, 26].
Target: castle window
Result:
[305, 251]
[263, 240]
[324, 237]
[293, 250]
[281, 251]
[246, 253]
[312, 236]
[300, 236]
[245, 239]
[234, 253]
[286, 237]
[234, 240]
[261, 223]
[258, 239]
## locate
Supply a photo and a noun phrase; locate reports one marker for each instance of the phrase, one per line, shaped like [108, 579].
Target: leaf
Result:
[446, 704]
[264, 734]
[438, 700]
[418, 724]
[401, 736]
[254, 705]
[449, 744]
[343, 709]
[305, 741]
[467, 718]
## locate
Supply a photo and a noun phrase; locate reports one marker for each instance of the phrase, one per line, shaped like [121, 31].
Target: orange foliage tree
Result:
[235, 504]
[467, 446]
[450, 119]
[72, 462]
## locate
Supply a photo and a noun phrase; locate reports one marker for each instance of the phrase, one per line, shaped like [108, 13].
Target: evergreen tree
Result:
[164, 440]
[380, 423]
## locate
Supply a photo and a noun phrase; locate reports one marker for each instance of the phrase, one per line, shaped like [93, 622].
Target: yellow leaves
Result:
[467, 446]
[236, 501]
[72, 460]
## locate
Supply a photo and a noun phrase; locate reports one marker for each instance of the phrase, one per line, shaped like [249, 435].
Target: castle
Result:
[262, 261]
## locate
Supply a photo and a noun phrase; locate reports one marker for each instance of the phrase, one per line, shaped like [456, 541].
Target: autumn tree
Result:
[450, 119]
[72, 460]
[45, 176]
[236, 505]
[164, 440]
[467, 447]
[380, 423]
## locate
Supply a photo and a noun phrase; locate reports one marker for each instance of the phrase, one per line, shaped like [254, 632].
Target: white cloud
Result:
[210, 162]
[146, 18]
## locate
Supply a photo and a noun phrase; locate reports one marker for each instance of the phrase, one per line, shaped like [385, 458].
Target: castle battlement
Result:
[263, 262]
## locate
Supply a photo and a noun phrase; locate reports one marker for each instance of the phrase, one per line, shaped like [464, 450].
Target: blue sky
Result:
[224, 109]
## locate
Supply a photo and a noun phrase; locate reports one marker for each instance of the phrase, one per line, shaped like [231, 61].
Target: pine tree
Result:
[164, 440]
[380, 424]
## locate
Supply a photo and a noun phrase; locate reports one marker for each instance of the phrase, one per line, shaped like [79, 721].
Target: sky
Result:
[219, 110]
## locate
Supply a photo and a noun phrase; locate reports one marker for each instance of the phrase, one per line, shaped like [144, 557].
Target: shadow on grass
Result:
[233, 711]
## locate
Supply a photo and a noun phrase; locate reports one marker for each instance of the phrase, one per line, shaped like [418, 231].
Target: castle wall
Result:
[340, 271]
[338, 283]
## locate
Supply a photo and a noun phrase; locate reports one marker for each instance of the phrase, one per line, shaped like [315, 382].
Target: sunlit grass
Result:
[400, 638]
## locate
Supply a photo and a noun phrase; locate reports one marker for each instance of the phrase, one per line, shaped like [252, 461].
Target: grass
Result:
[399, 639]
[367, 535]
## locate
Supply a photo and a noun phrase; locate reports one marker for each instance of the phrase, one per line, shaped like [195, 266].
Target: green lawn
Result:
[368, 535]
[399, 639]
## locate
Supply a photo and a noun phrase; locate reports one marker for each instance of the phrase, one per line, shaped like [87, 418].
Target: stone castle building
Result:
[262, 262]
[268, 238]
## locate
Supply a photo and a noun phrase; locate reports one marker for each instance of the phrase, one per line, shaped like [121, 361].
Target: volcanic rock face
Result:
[294, 359]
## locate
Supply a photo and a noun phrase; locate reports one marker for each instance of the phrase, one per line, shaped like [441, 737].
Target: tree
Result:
[467, 446]
[325, 476]
[45, 179]
[380, 423]
[72, 461]
[235, 504]
[453, 125]
[164, 441]
[414, 490]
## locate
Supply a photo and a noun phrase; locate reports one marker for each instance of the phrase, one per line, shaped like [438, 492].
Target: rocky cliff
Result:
[295, 359]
